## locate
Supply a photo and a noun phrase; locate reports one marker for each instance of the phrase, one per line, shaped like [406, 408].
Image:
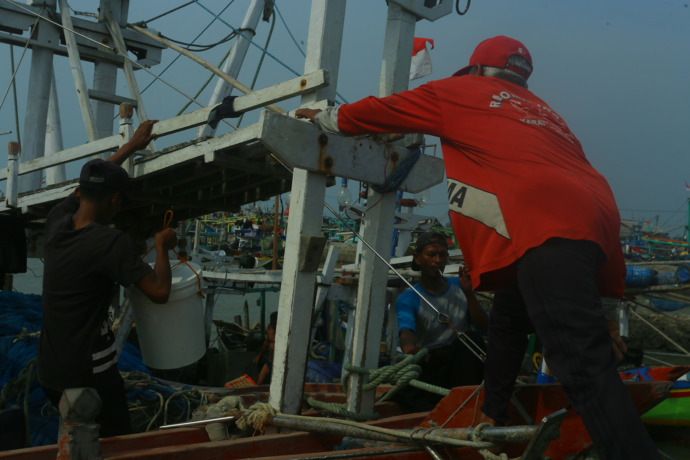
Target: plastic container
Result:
[666, 278]
[638, 276]
[171, 335]
[683, 273]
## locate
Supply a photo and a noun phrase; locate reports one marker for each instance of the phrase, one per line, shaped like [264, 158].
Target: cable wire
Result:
[195, 38]
[239, 32]
[14, 73]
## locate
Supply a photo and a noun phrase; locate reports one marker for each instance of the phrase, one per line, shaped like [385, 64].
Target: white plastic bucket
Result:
[171, 335]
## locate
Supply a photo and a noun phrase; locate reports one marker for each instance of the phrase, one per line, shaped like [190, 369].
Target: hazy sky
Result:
[617, 71]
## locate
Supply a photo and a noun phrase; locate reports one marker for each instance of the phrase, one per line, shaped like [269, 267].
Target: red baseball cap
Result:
[494, 52]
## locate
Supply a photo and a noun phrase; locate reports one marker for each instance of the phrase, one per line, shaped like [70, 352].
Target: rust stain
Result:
[325, 161]
[394, 159]
[303, 83]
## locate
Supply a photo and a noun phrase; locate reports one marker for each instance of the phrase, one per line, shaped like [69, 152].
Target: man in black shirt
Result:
[85, 261]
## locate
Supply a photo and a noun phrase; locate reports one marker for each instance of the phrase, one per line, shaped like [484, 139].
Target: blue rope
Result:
[400, 173]
[275, 5]
[343, 100]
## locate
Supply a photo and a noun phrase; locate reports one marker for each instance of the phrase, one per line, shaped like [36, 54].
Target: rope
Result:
[275, 5]
[461, 406]
[218, 431]
[21, 58]
[400, 173]
[261, 61]
[261, 413]
[457, 7]
[179, 55]
[108, 48]
[168, 12]
[661, 333]
[256, 417]
[340, 410]
[203, 87]
[239, 32]
[157, 402]
[406, 372]
[485, 452]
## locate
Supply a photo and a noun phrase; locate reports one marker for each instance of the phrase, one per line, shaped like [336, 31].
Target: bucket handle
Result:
[166, 223]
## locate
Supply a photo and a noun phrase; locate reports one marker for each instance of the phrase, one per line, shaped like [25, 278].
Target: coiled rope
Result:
[405, 372]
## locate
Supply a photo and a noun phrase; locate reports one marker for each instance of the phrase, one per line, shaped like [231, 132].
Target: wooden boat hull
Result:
[537, 401]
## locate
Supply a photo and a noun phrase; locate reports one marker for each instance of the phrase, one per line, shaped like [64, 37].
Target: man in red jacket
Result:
[535, 222]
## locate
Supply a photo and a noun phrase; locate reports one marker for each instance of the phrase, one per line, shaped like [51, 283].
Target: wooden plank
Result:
[202, 150]
[282, 91]
[75, 153]
[264, 276]
[114, 99]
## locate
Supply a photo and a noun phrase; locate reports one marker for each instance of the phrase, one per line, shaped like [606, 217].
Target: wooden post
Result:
[377, 227]
[275, 235]
[53, 144]
[78, 433]
[11, 192]
[208, 313]
[126, 133]
[245, 311]
[306, 210]
[7, 282]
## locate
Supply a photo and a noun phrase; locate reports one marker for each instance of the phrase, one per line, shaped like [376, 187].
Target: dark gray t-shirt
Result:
[82, 271]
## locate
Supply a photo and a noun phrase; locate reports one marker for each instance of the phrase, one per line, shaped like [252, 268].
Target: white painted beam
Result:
[40, 77]
[302, 145]
[377, 227]
[306, 210]
[53, 144]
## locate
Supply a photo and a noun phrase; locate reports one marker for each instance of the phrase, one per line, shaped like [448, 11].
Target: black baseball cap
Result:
[99, 174]
[425, 239]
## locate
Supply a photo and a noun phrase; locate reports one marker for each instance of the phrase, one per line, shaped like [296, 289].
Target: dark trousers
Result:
[557, 297]
[114, 415]
[447, 367]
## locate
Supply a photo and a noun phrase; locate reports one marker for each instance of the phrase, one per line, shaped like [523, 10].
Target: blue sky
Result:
[617, 71]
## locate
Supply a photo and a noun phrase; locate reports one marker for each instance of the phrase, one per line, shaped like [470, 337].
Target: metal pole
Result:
[235, 59]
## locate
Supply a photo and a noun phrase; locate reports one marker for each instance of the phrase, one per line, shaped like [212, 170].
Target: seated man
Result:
[449, 362]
